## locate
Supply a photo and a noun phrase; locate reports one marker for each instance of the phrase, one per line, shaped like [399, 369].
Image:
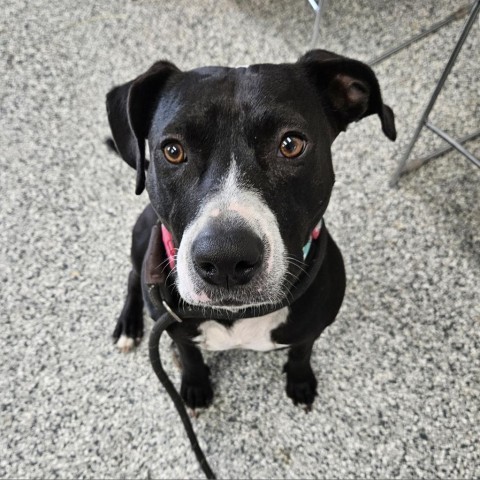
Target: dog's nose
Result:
[227, 257]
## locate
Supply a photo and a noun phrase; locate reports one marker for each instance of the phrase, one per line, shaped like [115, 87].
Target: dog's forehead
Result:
[244, 93]
[263, 83]
[246, 72]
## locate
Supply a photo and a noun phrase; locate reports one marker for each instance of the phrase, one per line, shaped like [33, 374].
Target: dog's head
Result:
[240, 170]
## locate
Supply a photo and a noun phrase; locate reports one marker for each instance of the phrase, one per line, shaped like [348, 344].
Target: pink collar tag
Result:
[317, 229]
[169, 246]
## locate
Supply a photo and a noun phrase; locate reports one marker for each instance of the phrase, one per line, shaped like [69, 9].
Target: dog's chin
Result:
[228, 303]
[256, 295]
[231, 305]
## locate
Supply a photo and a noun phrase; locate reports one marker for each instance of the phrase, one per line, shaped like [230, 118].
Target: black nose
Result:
[227, 257]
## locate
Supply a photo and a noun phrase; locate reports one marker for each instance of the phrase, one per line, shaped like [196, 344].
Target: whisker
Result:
[303, 270]
[296, 263]
[295, 277]
[294, 259]
[161, 263]
[174, 269]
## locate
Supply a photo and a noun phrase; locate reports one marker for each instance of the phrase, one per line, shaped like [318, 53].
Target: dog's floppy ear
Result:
[349, 89]
[130, 108]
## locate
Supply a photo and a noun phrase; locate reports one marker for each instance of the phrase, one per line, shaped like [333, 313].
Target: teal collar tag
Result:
[306, 248]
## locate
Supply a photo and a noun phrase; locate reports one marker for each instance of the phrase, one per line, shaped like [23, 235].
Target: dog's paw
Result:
[127, 335]
[301, 386]
[126, 344]
[196, 391]
[303, 392]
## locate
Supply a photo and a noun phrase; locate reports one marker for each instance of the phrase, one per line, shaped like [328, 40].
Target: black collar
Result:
[164, 295]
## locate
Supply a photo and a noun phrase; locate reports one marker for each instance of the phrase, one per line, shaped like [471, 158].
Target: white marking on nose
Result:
[232, 200]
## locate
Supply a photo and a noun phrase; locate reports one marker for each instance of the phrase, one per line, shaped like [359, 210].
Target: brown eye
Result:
[174, 152]
[291, 146]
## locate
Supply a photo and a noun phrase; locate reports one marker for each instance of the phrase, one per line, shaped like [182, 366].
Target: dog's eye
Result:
[291, 146]
[174, 152]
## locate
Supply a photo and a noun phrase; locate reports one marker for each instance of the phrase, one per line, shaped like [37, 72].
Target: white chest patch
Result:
[248, 333]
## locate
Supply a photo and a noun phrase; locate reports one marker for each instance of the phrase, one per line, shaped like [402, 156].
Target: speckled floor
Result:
[399, 371]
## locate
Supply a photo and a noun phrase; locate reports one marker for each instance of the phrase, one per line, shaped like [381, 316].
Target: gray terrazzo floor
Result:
[399, 371]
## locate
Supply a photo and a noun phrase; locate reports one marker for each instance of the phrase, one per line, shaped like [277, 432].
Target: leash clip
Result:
[171, 312]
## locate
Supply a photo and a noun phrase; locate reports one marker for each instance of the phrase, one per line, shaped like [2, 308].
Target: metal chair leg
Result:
[319, 7]
[424, 118]
[416, 163]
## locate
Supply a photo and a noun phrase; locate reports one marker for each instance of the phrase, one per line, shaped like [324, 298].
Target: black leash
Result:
[153, 276]
[160, 326]
[163, 296]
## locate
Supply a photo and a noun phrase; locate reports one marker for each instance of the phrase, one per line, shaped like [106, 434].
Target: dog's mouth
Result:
[234, 305]
[238, 298]
[230, 303]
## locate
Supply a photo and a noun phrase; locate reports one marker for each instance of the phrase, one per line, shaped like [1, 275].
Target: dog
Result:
[240, 175]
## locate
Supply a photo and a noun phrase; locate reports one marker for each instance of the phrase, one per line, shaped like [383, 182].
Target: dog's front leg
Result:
[196, 389]
[129, 329]
[301, 381]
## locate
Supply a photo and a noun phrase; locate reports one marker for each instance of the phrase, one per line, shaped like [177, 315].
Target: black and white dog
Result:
[240, 175]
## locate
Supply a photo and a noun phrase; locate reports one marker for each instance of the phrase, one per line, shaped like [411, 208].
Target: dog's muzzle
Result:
[164, 295]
